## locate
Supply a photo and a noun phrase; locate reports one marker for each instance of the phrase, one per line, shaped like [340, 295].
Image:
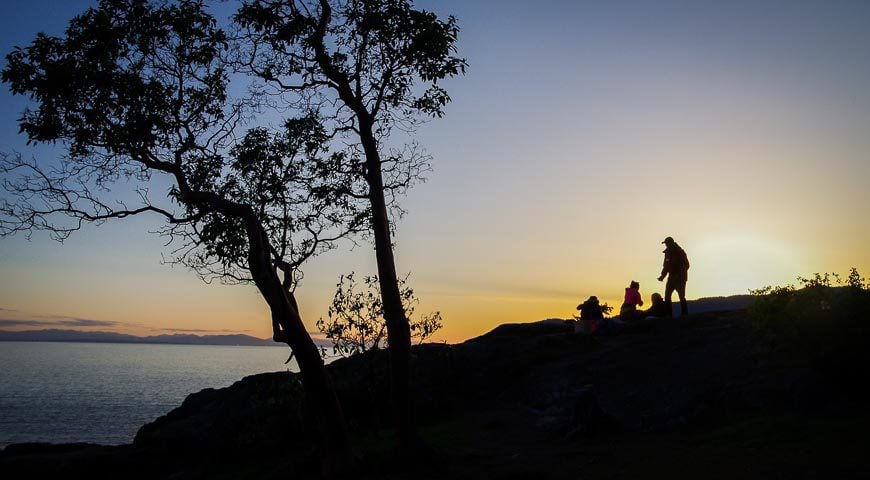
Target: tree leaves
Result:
[355, 321]
[135, 87]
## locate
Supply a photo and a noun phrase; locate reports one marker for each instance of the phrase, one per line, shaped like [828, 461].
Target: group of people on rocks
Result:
[675, 268]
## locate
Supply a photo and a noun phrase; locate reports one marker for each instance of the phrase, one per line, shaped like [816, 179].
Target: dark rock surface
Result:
[519, 396]
[259, 415]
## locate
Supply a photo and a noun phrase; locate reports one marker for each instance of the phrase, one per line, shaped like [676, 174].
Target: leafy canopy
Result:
[135, 88]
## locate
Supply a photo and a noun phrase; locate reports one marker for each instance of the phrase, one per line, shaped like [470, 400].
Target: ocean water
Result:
[103, 392]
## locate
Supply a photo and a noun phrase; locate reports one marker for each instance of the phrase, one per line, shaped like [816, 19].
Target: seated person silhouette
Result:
[591, 314]
[628, 312]
[658, 308]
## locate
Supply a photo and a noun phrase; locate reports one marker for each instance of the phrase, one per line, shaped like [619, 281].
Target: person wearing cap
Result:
[676, 268]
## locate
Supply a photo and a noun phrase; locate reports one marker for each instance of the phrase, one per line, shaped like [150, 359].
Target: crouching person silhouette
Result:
[591, 315]
[658, 307]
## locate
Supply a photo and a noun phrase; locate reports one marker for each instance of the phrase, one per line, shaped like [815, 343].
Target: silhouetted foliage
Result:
[281, 175]
[137, 92]
[365, 66]
[137, 88]
[355, 320]
[825, 323]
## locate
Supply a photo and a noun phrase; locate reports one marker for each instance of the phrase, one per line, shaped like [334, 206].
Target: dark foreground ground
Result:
[699, 397]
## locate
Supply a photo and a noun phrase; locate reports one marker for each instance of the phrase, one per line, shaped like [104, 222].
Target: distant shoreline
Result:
[78, 336]
[96, 342]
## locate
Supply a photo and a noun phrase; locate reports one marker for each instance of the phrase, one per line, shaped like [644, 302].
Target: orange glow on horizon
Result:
[556, 175]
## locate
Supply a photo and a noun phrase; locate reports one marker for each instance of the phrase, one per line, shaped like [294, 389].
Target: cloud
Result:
[8, 322]
[10, 318]
[57, 322]
[86, 322]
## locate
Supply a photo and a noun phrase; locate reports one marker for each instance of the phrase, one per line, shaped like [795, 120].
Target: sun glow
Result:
[732, 264]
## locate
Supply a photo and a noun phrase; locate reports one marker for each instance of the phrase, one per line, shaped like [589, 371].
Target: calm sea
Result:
[103, 392]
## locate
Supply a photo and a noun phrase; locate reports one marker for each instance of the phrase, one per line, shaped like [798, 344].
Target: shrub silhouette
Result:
[824, 324]
[355, 322]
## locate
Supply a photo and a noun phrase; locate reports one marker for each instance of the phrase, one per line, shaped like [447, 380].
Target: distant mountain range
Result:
[717, 304]
[55, 335]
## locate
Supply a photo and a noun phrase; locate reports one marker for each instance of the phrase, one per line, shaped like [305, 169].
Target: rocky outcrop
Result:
[518, 382]
[259, 415]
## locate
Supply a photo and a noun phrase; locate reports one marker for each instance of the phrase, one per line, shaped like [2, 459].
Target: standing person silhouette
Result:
[676, 268]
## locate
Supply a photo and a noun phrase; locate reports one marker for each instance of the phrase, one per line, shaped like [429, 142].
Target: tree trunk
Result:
[398, 328]
[320, 399]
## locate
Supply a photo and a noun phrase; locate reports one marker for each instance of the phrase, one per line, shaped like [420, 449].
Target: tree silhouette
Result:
[366, 67]
[137, 93]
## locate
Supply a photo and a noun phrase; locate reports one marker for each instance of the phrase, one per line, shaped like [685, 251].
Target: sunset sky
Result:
[582, 134]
